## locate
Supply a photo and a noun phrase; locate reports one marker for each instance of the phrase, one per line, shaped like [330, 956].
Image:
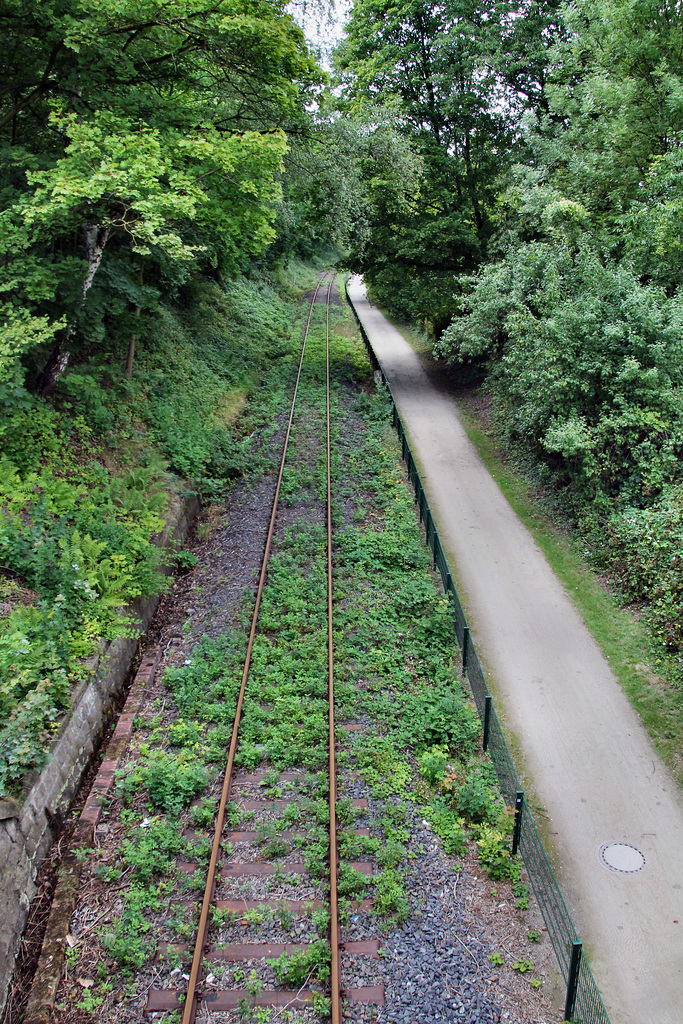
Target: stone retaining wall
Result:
[29, 822]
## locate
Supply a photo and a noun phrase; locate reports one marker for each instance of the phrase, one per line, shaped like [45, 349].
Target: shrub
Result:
[476, 799]
[171, 780]
[448, 720]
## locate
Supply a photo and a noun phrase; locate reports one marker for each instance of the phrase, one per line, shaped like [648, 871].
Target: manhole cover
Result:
[622, 858]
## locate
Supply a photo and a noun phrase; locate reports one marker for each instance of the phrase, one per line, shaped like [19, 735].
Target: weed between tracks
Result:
[408, 738]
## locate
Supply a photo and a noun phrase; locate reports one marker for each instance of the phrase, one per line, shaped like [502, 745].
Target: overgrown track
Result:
[197, 992]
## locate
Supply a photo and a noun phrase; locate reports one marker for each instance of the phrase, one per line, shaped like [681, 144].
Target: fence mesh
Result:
[545, 889]
[588, 1006]
[500, 756]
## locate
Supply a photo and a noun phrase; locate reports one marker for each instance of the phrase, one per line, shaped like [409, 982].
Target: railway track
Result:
[280, 879]
[237, 855]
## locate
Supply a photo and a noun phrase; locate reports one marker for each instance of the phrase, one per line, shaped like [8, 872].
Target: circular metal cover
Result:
[621, 858]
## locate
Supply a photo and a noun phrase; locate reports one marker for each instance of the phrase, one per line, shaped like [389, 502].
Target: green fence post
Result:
[519, 805]
[573, 982]
[488, 701]
[465, 648]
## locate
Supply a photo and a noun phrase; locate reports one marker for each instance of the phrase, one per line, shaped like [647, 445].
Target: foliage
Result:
[425, 66]
[390, 898]
[433, 764]
[446, 718]
[590, 376]
[152, 849]
[577, 321]
[643, 548]
[171, 780]
[493, 842]
[138, 142]
[82, 540]
[448, 827]
[295, 969]
[127, 939]
[85, 486]
[476, 797]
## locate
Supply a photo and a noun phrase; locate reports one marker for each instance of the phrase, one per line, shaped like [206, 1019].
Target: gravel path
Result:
[587, 756]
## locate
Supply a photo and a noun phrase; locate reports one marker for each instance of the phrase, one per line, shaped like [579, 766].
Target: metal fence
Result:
[583, 1004]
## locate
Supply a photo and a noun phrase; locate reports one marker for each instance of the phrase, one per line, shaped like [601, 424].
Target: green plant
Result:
[107, 872]
[322, 1005]
[185, 560]
[390, 899]
[257, 915]
[254, 985]
[224, 916]
[497, 958]
[203, 813]
[534, 936]
[274, 847]
[434, 764]
[127, 938]
[244, 1009]
[449, 828]
[320, 917]
[446, 720]
[476, 799]
[296, 969]
[494, 851]
[390, 854]
[171, 780]
[523, 966]
[521, 892]
[152, 848]
[92, 1000]
[285, 916]
[352, 883]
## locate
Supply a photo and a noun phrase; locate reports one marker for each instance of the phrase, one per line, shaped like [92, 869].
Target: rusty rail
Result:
[335, 973]
[191, 998]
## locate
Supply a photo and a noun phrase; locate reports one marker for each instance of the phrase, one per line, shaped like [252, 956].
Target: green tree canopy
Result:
[427, 64]
[139, 127]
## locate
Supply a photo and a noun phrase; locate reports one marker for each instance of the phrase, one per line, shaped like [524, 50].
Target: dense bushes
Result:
[587, 367]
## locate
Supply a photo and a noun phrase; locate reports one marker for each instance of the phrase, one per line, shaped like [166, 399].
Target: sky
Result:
[322, 22]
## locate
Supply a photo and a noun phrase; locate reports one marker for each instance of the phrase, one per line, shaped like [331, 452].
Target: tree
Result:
[578, 323]
[149, 126]
[427, 64]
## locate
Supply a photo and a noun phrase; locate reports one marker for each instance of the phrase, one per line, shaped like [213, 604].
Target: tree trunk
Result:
[57, 363]
[478, 219]
[133, 337]
[95, 240]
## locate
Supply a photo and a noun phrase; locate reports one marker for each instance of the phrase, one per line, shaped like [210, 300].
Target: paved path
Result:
[587, 756]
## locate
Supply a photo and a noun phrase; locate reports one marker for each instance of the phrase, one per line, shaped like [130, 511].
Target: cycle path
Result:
[590, 762]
